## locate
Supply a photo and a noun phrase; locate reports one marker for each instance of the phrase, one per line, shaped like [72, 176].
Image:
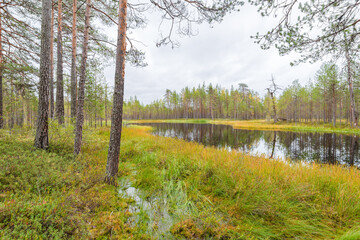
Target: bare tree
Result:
[41, 138]
[272, 91]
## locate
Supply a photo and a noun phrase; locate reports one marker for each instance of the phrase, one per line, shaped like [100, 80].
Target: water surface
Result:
[328, 148]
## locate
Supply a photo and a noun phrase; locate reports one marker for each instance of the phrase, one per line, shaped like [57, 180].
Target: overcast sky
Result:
[224, 55]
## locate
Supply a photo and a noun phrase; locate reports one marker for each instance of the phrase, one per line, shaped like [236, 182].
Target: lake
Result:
[326, 148]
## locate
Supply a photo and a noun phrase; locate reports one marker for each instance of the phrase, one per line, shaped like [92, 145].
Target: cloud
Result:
[224, 54]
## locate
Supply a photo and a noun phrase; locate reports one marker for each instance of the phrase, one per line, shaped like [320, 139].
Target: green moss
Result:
[52, 195]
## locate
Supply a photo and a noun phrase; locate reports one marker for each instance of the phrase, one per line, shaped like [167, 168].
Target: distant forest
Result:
[324, 99]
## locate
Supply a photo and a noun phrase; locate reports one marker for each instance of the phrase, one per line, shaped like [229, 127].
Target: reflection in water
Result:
[312, 147]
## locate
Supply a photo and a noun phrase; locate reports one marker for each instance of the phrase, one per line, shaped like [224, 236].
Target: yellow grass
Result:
[262, 198]
[264, 125]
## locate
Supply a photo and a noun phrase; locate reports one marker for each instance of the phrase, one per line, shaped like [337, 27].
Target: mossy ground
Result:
[51, 195]
[209, 193]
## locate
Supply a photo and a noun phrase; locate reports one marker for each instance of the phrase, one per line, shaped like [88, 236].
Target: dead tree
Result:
[272, 91]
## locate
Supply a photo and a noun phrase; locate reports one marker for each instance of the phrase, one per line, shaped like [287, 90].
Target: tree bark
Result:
[274, 107]
[41, 138]
[81, 96]
[106, 97]
[73, 64]
[1, 77]
[52, 103]
[354, 117]
[59, 70]
[334, 104]
[116, 118]
[340, 113]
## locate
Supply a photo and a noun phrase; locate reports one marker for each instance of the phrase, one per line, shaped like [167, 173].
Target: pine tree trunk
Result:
[81, 96]
[28, 111]
[52, 103]
[1, 78]
[95, 93]
[22, 105]
[334, 105]
[12, 105]
[73, 64]
[106, 106]
[340, 114]
[354, 118]
[41, 138]
[59, 70]
[116, 118]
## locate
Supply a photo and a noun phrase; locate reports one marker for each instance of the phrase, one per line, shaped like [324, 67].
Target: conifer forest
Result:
[179, 119]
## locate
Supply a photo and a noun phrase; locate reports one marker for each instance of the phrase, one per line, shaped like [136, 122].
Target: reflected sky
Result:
[328, 148]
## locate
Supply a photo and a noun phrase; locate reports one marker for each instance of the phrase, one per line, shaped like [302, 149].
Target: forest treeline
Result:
[325, 99]
[52, 57]
[20, 57]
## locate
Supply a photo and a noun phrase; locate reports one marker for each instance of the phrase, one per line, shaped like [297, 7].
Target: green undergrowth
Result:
[182, 191]
[51, 195]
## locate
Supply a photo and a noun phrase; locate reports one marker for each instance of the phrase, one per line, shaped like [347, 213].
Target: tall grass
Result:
[208, 193]
[245, 196]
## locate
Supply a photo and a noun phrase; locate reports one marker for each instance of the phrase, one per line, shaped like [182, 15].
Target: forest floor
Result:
[265, 125]
[168, 189]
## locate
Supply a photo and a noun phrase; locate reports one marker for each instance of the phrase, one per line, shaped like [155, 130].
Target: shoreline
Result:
[209, 192]
[259, 125]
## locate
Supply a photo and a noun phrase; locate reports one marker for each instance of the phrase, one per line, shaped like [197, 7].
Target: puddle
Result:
[155, 215]
[150, 211]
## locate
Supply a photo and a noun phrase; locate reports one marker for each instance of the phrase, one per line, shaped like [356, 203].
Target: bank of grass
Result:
[265, 125]
[236, 196]
[209, 193]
